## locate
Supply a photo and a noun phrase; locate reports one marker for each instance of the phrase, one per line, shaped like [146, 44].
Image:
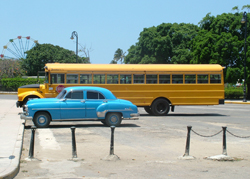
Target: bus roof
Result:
[57, 67]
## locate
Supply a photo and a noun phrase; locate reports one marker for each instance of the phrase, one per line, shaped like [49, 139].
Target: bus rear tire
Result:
[148, 110]
[160, 107]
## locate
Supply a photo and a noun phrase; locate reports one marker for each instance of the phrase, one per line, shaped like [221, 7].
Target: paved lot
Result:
[147, 148]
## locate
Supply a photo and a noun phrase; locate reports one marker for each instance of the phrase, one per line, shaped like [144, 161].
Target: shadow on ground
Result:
[188, 115]
[53, 126]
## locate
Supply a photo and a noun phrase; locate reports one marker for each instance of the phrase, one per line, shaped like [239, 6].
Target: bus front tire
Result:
[27, 99]
[160, 107]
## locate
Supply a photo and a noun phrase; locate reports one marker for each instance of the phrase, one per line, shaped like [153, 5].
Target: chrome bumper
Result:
[24, 116]
[133, 116]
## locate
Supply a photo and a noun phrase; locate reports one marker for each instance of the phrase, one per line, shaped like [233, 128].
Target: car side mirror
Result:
[63, 99]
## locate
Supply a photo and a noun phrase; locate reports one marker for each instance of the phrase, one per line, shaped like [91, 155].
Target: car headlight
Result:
[26, 108]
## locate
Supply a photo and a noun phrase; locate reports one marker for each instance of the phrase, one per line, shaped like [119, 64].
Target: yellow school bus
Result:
[156, 87]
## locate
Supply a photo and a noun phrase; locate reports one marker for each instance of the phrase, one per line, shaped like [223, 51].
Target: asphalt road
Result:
[3, 96]
[147, 148]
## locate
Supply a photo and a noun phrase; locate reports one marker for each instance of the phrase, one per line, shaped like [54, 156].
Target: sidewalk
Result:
[11, 138]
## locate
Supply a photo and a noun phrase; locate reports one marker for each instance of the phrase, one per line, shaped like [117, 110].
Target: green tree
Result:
[10, 68]
[166, 43]
[41, 54]
[235, 8]
[113, 62]
[246, 7]
[221, 41]
[118, 56]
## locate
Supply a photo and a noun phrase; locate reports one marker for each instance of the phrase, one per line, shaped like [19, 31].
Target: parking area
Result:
[147, 148]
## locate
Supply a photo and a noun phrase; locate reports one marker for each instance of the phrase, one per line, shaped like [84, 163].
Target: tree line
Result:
[216, 40]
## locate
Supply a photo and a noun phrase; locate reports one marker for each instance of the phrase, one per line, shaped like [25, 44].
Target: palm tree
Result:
[119, 55]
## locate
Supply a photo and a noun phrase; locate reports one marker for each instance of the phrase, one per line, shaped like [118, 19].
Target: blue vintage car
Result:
[80, 103]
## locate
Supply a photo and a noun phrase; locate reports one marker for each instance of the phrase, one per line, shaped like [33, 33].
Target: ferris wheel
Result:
[16, 48]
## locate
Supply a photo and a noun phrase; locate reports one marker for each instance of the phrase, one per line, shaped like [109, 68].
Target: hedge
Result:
[12, 84]
[234, 93]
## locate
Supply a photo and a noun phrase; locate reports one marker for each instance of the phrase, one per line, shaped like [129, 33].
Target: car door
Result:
[93, 100]
[73, 106]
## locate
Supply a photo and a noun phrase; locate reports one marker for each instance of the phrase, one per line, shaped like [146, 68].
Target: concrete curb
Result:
[236, 102]
[13, 168]
[8, 93]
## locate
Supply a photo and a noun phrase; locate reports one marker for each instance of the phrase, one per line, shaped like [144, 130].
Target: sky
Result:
[102, 26]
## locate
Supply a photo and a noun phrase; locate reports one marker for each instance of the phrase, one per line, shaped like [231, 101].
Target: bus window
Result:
[190, 78]
[125, 79]
[46, 77]
[202, 78]
[164, 79]
[85, 79]
[56, 78]
[177, 79]
[99, 79]
[72, 79]
[138, 78]
[151, 79]
[215, 78]
[112, 79]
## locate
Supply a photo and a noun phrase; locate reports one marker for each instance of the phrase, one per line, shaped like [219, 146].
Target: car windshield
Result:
[61, 94]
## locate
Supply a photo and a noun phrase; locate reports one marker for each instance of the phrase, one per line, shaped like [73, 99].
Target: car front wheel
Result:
[42, 120]
[113, 119]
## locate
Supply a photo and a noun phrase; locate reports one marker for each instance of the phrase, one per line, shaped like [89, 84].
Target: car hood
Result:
[42, 100]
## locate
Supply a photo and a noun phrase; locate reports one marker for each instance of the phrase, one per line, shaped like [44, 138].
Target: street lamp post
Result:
[244, 21]
[74, 33]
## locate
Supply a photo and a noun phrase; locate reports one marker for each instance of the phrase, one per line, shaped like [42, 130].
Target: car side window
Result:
[94, 95]
[75, 95]
[101, 96]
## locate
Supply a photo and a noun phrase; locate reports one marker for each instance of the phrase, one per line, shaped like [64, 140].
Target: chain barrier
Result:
[206, 135]
[224, 142]
[237, 135]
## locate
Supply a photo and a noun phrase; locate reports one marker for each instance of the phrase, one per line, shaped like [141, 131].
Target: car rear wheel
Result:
[113, 119]
[160, 107]
[42, 120]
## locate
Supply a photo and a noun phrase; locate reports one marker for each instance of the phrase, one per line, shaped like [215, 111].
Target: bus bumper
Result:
[221, 101]
[19, 104]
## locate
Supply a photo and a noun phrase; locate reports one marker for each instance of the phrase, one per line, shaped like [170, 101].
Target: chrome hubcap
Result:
[41, 120]
[113, 119]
